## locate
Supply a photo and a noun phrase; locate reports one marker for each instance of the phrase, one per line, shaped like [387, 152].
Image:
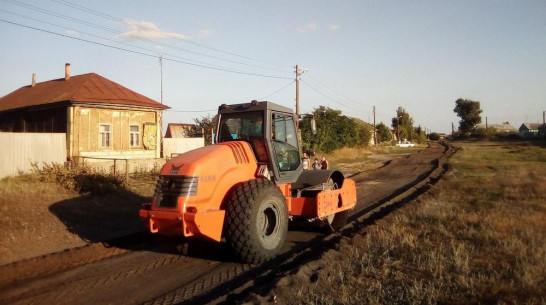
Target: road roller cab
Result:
[247, 186]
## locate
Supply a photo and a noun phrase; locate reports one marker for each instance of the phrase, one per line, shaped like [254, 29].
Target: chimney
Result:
[33, 79]
[66, 71]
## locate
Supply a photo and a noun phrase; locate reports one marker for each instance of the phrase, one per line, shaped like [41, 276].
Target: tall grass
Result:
[479, 236]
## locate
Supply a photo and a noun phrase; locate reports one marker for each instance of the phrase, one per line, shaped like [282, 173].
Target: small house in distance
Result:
[101, 118]
[176, 130]
[504, 129]
[180, 138]
[529, 130]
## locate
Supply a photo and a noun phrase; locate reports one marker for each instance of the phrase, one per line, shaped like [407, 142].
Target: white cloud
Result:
[148, 30]
[204, 33]
[72, 32]
[312, 26]
[334, 27]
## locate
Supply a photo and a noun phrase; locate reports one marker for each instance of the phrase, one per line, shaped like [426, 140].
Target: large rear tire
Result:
[256, 221]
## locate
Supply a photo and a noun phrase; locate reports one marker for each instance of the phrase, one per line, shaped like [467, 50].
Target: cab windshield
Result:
[240, 126]
[244, 126]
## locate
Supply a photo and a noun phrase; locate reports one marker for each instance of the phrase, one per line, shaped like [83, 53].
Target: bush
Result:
[80, 179]
[434, 136]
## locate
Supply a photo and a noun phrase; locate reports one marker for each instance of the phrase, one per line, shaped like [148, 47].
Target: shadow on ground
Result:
[101, 218]
[113, 220]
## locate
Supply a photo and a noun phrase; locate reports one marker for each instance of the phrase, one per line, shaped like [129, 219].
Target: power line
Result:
[90, 24]
[337, 92]
[107, 39]
[263, 98]
[145, 54]
[117, 19]
[330, 98]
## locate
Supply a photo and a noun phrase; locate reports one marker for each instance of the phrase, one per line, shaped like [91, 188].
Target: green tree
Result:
[334, 131]
[434, 136]
[419, 135]
[206, 124]
[403, 123]
[483, 133]
[470, 113]
[383, 133]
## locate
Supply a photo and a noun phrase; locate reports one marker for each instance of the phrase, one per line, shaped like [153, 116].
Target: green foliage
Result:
[206, 123]
[403, 123]
[470, 113]
[419, 135]
[434, 136]
[79, 179]
[334, 131]
[383, 133]
[482, 133]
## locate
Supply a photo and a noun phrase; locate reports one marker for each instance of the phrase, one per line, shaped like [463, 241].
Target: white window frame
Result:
[136, 135]
[108, 139]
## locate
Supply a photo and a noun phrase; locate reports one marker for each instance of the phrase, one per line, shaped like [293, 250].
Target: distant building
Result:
[175, 130]
[530, 130]
[503, 129]
[100, 117]
[369, 128]
[180, 138]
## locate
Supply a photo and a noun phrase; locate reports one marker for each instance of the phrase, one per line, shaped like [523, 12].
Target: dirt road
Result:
[168, 272]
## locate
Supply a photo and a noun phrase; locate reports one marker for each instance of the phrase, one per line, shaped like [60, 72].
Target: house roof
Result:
[85, 88]
[175, 130]
[504, 127]
[362, 122]
[529, 126]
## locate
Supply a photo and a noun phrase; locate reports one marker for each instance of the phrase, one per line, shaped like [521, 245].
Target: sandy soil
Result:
[102, 220]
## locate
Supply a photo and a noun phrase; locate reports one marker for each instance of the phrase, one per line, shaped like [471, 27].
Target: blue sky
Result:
[421, 55]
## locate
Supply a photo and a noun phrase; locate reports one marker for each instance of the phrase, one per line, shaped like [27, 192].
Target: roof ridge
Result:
[89, 87]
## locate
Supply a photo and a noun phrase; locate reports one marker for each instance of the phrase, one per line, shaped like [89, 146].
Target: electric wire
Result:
[145, 54]
[117, 19]
[337, 92]
[90, 24]
[330, 98]
[263, 98]
[110, 40]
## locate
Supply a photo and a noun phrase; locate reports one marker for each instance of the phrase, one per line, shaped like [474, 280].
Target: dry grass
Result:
[478, 237]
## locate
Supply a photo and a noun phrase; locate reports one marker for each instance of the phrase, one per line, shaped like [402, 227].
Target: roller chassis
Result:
[247, 188]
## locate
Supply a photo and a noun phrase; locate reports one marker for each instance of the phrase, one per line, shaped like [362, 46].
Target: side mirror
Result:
[313, 126]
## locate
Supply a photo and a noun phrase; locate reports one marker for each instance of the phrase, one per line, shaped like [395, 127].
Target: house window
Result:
[134, 135]
[105, 134]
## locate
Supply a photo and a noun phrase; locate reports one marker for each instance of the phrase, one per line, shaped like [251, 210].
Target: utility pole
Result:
[298, 74]
[452, 131]
[297, 92]
[486, 125]
[374, 129]
[161, 69]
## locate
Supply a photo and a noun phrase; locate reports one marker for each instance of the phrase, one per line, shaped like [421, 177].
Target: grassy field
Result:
[477, 237]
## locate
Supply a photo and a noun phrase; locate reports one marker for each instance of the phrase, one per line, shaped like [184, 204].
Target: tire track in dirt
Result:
[201, 276]
[431, 169]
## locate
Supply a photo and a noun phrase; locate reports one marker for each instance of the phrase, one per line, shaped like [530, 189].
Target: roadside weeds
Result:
[478, 236]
